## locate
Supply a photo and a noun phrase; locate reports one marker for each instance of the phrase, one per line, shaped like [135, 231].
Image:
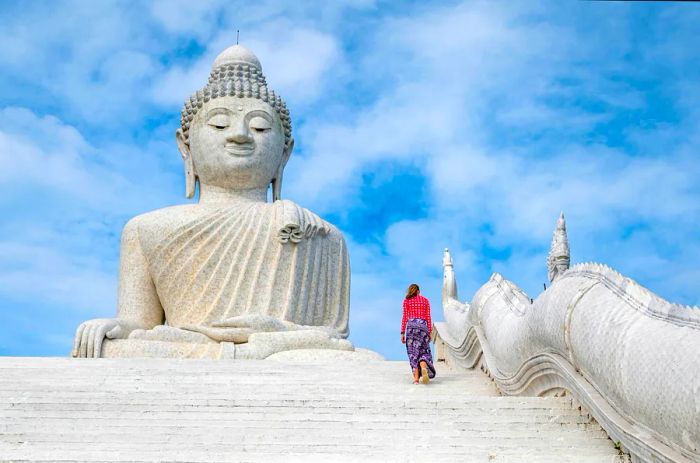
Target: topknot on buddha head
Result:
[236, 72]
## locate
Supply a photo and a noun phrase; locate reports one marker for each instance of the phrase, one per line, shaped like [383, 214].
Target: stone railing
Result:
[629, 357]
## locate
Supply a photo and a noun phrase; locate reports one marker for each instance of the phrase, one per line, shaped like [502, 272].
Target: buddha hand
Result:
[263, 345]
[258, 323]
[90, 335]
[238, 329]
[255, 322]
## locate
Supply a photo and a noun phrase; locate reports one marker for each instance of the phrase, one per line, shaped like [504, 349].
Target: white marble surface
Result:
[173, 410]
[559, 257]
[630, 357]
[233, 265]
[304, 356]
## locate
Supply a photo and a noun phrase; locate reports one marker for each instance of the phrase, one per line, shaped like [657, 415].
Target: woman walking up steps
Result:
[416, 332]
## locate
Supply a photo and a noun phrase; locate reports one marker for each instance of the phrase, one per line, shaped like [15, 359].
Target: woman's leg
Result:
[412, 354]
[424, 372]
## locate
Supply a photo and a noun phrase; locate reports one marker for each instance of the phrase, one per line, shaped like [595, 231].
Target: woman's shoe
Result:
[424, 375]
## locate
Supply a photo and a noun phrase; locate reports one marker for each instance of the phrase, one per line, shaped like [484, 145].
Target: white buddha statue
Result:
[233, 275]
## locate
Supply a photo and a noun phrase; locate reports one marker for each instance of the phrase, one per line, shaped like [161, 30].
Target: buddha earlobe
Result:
[277, 186]
[277, 181]
[190, 178]
[190, 175]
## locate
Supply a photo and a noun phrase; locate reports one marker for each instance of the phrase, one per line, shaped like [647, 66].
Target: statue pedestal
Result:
[292, 345]
[326, 356]
[138, 348]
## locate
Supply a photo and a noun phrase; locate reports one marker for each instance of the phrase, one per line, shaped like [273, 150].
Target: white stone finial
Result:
[446, 258]
[449, 283]
[559, 257]
[237, 54]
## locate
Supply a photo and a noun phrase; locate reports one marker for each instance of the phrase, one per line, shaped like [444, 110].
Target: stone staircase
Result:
[146, 410]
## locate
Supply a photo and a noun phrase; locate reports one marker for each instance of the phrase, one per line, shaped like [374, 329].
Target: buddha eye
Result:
[219, 122]
[259, 124]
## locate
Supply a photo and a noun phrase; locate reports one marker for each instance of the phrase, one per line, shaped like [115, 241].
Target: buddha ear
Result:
[190, 174]
[287, 153]
[277, 181]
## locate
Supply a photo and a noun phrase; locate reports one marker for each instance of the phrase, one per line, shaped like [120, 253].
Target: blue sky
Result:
[418, 126]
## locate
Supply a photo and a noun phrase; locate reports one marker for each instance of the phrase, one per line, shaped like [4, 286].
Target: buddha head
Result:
[235, 133]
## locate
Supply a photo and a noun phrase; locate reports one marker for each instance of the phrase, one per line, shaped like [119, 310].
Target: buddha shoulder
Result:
[150, 227]
[292, 223]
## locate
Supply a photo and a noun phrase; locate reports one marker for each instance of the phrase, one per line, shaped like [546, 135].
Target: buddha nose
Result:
[240, 133]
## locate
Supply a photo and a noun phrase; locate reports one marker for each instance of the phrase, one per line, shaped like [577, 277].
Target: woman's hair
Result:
[412, 291]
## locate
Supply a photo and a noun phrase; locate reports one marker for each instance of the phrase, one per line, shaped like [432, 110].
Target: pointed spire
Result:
[559, 258]
[446, 258]
[449, 283]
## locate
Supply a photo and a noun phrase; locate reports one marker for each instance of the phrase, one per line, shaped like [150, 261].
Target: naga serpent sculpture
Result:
[631, 358]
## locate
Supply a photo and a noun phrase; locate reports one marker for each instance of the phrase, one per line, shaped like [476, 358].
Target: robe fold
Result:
[209, 263]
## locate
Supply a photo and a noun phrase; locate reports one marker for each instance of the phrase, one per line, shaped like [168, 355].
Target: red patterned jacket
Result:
[416, 307]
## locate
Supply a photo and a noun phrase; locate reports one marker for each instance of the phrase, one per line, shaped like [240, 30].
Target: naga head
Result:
[559, 258]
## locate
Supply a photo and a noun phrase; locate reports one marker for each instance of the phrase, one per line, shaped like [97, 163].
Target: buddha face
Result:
[236, 143]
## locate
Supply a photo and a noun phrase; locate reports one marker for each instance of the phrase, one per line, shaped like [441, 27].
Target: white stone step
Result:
[62, 409]
[426, 454]
[20, 432]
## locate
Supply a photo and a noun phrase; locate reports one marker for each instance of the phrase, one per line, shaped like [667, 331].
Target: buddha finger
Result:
[242, 321]
[264, 323]
[233, 322]
[225, 334]
[241, 335]
[84, 341]
[91, 342]
[99, 339]
[76, 341]
[234, 335]
[115, 333]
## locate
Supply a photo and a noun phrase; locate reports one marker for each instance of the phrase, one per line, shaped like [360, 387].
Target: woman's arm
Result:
[404, 318]
[430, 320]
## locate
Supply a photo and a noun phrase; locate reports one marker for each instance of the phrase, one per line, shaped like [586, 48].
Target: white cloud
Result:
[176, 84]
[45, 275]
[488, 99]
[45, 153]
[91, 60]
[513, 112]
[187, 18]
[295, 61]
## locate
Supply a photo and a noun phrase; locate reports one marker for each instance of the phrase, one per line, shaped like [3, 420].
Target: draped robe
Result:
[209, 263]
